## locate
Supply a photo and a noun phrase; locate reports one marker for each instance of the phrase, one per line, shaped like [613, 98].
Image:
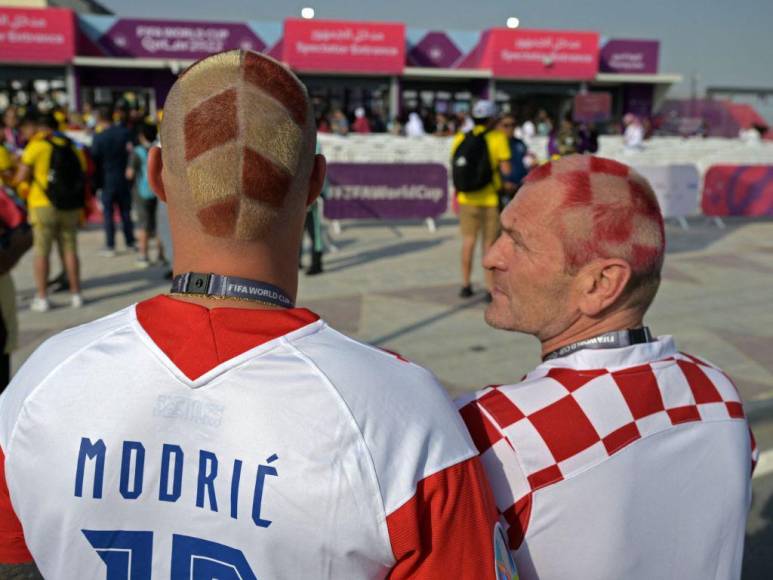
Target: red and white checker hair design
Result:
[238, 137]
[605, 209]
[560, 422]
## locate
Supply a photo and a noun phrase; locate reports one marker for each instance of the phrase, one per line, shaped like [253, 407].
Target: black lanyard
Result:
[615, 339]
[219, 286]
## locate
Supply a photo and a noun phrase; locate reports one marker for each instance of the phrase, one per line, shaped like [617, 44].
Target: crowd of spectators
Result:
[108, 175]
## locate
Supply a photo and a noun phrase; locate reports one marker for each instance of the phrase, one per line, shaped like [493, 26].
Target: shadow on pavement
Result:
[342, 263]
[703, 232]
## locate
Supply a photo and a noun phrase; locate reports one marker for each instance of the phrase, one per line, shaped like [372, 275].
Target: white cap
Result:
[484, 109]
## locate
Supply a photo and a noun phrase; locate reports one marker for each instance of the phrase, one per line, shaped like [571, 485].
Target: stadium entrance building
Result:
[383, 67]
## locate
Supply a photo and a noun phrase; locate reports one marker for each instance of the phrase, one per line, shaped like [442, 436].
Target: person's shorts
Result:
[474, 219]
[51, 224]
[146, 214]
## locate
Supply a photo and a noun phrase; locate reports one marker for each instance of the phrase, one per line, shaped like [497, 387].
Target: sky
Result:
[722, 42]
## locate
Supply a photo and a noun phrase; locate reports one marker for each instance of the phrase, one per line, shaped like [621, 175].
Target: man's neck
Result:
[585, 328]
[257, 266]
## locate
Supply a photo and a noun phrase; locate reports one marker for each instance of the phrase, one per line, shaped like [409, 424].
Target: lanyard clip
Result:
[197, 283]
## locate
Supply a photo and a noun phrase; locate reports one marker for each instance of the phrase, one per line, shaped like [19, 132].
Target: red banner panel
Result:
[745, 190]
[592, 107]
[542, 54]
[42, 35]
[341, 46]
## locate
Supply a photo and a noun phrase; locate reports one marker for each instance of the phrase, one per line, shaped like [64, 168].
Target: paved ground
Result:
[396, 286]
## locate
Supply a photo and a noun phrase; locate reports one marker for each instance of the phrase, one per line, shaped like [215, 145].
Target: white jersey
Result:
[171, 441]
[627, 463]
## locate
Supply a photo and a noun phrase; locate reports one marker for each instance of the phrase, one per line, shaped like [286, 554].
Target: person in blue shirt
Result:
[145, 201]
[518, 150]
[110, 150]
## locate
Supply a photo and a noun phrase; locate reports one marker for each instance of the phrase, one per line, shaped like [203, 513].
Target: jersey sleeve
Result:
[511, 488]
[13, 549]
[447, 529]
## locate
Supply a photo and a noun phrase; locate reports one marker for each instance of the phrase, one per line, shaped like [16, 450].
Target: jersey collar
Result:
[198, 339]
[611, 358]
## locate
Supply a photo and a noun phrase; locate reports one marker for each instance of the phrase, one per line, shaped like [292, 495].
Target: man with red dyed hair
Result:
[618, 456]
[221, 432]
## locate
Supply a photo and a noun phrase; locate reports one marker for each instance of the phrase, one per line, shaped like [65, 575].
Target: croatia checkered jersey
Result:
[628, 463]
[171, 441]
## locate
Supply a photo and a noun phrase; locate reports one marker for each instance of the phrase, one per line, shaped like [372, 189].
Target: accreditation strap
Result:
[614, 339]
[220, 286]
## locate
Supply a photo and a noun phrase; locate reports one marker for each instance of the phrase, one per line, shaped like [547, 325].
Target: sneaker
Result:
[107, 253]
[76, 301]
[314, 270]
[466, 291]
[39, 304]
[142, 262]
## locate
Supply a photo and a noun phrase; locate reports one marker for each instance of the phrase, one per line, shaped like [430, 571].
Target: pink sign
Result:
[592, 107]
[341, 46]
[542, 54]
[45, 35]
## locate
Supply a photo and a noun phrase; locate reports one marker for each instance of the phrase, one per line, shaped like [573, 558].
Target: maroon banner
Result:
[341, 46]
[738, 190]
[592, 107]
[43, 35]
[630, 56]
[386, 190]
[177, 39]
[542, 54]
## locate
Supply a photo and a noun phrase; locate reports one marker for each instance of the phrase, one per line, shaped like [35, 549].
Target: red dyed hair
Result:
[605, 209]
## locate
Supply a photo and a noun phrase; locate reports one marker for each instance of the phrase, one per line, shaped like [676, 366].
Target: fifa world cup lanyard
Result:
[615, 339]
[219, 286]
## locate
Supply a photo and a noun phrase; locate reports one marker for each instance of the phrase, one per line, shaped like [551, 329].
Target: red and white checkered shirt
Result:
[619, 463]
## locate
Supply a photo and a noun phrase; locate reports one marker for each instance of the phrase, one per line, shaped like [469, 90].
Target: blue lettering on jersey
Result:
[137, 450]
[94, 457]
[177, 478]
[207, 477]
[90, 450]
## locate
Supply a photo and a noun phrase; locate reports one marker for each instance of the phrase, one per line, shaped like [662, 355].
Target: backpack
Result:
[471, 165]
[66, 178]
[141, 176]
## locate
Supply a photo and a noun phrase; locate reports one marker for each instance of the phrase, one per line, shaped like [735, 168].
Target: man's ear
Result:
[317, 178]
[602, 282]
[155, 169]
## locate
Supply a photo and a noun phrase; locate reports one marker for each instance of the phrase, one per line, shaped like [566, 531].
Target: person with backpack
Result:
[479, 159]
[145, 201]
[54, 170]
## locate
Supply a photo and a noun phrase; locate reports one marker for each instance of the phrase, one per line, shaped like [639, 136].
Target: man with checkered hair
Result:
[219, 431]
[618, 456]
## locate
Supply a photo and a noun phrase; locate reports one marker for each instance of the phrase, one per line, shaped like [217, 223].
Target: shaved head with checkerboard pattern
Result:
[238, 141]
[605, 209]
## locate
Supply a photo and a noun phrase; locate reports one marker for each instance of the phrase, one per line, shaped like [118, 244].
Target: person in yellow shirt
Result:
[6, 166]
[479, 209]
[49, 223]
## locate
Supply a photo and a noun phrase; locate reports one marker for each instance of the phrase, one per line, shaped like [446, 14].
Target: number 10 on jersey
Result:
[128, 555]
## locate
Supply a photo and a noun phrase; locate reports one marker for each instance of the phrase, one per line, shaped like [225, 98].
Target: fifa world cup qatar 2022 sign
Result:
[177, 39]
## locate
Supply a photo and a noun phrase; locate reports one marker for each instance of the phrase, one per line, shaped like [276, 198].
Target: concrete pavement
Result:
[396, 285]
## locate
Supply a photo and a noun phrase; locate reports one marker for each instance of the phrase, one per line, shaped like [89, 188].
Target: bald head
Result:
[603, 209]
[238, 144]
